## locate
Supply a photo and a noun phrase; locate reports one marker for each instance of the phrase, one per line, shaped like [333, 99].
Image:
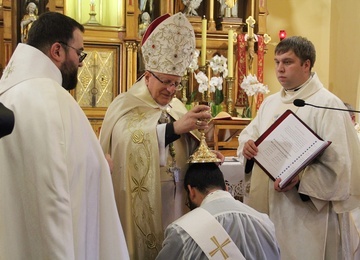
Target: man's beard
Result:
[191, 205]
[69, 75]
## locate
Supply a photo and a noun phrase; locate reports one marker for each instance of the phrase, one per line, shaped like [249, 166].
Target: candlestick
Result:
[252, 8]
[92, 13]
[229, 102]
[211, 10]
[203, 41]
[230, 53]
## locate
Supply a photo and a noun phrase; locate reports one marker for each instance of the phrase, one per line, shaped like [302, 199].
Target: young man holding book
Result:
[308, 212]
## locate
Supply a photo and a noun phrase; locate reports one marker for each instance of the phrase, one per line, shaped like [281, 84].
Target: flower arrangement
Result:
[218, 64]
[252, 87]
[191, 69]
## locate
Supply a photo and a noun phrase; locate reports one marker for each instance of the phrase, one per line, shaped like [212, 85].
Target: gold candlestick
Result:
[229, 101]
[92, 20]
[185, 90]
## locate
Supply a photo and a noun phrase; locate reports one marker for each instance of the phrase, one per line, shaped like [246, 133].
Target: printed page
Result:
[288, 148]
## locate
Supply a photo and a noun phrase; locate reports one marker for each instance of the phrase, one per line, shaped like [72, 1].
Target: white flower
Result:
[218, 64]
[194, 62]
[203, 81]
[252, 86]
[216, 83]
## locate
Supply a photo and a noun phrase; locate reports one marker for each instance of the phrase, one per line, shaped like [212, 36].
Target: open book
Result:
[226, 116]
[287, 147]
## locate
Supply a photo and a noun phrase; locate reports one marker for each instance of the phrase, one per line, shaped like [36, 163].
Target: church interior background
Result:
[113, 31]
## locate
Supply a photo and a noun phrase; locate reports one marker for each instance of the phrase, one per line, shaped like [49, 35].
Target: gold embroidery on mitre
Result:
[170, 46]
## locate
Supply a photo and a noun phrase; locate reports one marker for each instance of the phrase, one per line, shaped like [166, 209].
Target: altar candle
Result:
[230, 53]
[203, 41]
[92, 5]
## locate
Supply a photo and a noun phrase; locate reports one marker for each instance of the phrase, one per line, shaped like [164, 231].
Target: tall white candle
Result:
[230, 53]
[203, 41]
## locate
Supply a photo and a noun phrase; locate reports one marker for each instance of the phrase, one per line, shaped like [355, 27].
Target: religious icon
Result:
[229, 8]
[191, 6]
[145, 22]
[30, 16]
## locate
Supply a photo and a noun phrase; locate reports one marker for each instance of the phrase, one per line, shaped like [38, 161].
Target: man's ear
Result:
[57, 53]
[192, 193]
[146, 76]
[307, 64]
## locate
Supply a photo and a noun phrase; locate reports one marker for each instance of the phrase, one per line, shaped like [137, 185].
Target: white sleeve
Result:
[163, 150]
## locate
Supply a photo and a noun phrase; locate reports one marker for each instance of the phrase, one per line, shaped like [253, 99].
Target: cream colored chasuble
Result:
[144, 191]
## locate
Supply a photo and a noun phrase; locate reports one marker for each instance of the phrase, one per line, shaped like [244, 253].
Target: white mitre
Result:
[168, 45]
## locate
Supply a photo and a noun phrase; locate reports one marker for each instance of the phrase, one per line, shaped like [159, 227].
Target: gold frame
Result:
[96, 114]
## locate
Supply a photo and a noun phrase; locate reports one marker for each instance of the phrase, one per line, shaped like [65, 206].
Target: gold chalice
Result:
[203, 153]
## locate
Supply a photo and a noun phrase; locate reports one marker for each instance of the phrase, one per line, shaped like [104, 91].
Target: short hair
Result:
[52, 27]
[302, 47]
[204, 176]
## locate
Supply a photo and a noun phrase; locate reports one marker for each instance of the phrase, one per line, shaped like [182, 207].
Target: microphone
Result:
[301, 103]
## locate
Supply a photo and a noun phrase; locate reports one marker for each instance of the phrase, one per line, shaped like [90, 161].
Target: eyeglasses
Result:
[168, 84]
[80, 53]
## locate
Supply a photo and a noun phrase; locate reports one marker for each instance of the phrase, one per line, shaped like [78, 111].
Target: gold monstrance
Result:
[203, 153]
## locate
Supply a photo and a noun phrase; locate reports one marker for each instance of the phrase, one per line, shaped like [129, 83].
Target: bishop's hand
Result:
[196, 118]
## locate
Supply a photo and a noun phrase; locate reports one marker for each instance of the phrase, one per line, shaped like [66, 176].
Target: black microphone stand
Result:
[301, 103]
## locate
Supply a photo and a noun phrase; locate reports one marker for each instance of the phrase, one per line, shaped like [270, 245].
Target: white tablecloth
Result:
[234, 176]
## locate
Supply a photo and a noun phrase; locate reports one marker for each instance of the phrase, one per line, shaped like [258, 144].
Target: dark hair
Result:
[302, 47]
[204, 176]
[52, 27]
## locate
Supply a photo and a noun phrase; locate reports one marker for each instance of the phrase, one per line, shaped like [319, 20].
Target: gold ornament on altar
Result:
[92, 20]
[203, 154]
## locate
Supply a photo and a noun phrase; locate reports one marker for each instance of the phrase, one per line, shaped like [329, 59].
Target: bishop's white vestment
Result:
[147, 194]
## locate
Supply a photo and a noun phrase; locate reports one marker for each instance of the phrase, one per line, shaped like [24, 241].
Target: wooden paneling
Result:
[7, 24]
[7, 3]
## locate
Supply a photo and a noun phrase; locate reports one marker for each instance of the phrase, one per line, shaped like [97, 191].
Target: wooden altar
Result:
[223, 135]
[114, 56]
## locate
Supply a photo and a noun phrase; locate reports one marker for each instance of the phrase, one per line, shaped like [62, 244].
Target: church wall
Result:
[331, 26]
[345, 51]
[307, 18]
